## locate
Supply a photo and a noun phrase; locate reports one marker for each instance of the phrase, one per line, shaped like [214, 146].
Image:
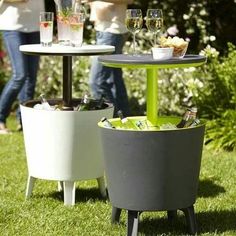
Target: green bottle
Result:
[85, 104]
[107, 123]
[125, 122]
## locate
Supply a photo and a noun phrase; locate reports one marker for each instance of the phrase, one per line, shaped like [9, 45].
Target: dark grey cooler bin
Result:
[152, 171]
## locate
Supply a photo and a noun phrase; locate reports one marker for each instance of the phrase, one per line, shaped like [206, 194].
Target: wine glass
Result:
[134, 23]
[154, 22]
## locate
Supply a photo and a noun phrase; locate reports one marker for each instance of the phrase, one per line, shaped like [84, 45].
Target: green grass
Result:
[44, 213]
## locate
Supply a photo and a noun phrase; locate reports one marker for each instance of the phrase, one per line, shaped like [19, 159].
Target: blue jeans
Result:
[24, 72]
[108, 81]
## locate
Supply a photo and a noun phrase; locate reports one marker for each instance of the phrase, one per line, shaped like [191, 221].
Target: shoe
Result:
[3, 129]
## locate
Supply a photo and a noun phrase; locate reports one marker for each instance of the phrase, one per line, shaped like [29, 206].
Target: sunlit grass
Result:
[45, 214]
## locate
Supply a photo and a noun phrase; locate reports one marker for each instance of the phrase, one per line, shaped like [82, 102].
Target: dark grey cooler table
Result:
[153, 169]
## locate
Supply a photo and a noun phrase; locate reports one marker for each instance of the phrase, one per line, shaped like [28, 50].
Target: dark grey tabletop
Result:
[147, 59]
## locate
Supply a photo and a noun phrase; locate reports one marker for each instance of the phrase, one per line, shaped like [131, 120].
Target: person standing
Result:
[109, 22]
[19, 23]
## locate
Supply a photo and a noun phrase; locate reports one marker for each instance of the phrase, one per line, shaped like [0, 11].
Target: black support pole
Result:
[67, 83]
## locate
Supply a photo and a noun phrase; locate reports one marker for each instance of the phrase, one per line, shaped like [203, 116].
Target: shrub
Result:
[218, 99]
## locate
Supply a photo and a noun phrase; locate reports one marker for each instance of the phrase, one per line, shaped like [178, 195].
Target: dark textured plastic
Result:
[154, 170]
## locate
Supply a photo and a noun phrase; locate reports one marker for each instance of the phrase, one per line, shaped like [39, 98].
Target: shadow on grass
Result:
[81, 195]
[207, 188]
[208, 222]
[161, 226]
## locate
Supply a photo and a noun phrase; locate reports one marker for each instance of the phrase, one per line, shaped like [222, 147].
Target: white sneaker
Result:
[3, 129]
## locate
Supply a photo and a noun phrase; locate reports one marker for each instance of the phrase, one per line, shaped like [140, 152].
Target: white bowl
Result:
[162, 53]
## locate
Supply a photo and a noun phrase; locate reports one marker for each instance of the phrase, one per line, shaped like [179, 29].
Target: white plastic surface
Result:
[60, 49]
[162, 53]
[63, 145]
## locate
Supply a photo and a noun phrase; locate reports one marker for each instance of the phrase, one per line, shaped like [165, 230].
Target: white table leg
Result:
[60, 186]
[69, 193]
[30, 185]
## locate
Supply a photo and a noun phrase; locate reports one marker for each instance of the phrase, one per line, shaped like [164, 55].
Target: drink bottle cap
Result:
[103, 119]
[120, 114]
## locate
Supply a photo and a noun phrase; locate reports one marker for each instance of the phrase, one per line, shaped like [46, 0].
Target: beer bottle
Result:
[140, 125]
[44, 102]
[84, 104]
[189, 116]
[126, 123]
[107, 123]
[192, 116]
[195, 123]
[184, 120]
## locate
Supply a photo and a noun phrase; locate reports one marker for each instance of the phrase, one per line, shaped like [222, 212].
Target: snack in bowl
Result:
[179, 44]
[159, 53]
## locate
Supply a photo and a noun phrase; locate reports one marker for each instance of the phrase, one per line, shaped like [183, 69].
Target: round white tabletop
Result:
[57, 49]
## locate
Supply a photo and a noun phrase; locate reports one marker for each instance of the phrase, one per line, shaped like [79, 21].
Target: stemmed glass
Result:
[154, 22]
[134, 23]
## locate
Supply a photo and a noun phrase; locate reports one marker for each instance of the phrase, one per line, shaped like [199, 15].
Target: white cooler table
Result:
[64, 145]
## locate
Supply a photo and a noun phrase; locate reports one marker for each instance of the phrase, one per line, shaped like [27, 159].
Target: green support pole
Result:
[152, 99]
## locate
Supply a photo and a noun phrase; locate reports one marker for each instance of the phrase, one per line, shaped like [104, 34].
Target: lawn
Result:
[44, 213]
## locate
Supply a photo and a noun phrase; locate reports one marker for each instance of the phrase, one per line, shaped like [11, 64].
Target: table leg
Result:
[152, 99]
[67, 83]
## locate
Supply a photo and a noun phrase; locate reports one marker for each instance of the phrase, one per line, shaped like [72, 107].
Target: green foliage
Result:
[50, 76]
[221, 132]
[203, 22]
[217, 98]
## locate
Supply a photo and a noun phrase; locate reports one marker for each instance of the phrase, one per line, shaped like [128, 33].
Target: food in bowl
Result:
[160, 53]
[179, 44]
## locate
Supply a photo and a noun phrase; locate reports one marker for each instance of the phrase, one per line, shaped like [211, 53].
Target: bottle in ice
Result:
[192, 116]
[142, 125]
[84, 104]
[189, 116]
[125, 122]
[107, 123]
[195, 123]
[44, 103]
[184, 119]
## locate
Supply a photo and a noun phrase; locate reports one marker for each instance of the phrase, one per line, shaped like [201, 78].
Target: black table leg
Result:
[190, 219]
[132, 228]
[67, 83]
[172, 214]
[115, 215]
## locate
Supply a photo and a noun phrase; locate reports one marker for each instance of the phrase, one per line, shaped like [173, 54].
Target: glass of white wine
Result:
[134, 23]
[154, 22]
